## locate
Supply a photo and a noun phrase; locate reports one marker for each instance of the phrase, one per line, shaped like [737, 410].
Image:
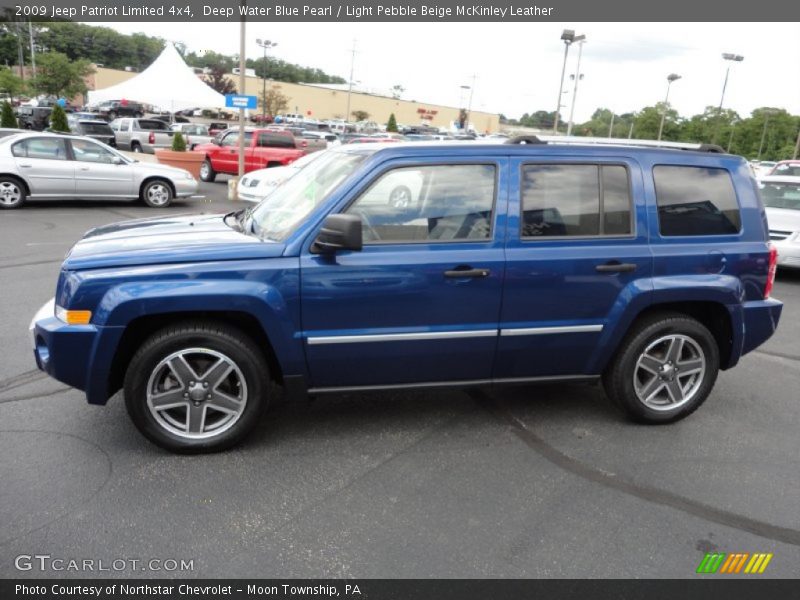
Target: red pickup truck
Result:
[262, 149]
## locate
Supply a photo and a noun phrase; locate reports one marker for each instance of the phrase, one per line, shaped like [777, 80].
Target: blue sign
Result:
[237, 101]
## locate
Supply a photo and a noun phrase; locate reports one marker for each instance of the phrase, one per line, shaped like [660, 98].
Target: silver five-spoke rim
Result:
[204, 169]
[10, 193]
[196, 393]
[158, 194]
[400, 197]
[669, 372]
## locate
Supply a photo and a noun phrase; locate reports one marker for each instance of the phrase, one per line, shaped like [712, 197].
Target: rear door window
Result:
[695, 201]
[47, 148]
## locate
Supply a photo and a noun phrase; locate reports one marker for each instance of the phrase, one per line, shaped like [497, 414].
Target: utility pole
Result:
[20, 52]
[242, 83]
[350, 86]
[630, 131]
[33, 52]
[611, 127]
[797, 146]
[469, 108]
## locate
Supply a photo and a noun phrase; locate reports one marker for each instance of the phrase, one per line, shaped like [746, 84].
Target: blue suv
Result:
[643, 266]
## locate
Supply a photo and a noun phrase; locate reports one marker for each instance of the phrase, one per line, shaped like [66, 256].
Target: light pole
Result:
[670, 78]
[469, 108]
[611, 126]
[350, 86]
[580, 39]
[568, 36]
[266, 45]
[731, 58]
[242, 82]
[767, 112]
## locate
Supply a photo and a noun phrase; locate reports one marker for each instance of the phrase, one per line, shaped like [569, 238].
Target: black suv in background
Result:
[99, 130]
[34, 117]
[112, 109]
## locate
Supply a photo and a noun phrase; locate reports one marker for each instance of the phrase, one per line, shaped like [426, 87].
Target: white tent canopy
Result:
[168, 83]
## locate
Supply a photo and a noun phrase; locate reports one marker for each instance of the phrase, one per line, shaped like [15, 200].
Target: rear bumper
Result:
[759, 322]
[78, 355]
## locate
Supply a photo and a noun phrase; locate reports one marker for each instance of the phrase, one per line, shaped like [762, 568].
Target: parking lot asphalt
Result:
[534, 481]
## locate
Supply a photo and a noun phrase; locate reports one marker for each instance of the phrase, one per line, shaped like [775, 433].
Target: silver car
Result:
[47, 166]
[781, 196]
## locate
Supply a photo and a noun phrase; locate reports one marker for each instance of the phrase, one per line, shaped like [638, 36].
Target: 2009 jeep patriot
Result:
[646, 267]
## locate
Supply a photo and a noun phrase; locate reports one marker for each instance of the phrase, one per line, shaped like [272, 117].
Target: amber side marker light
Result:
[73, 317]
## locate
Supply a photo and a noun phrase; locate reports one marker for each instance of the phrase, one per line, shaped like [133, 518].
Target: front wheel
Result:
[196, 387]
[400, 197]
[157, 194]
[665, 369]
[207, 172]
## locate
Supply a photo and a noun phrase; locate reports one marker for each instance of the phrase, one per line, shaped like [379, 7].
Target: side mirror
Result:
[116, 160]
[339, 232]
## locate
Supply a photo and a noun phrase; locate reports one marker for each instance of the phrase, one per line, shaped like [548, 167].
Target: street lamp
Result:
[580, 39]
[568, 37]
[730, 58]
[266, 45]
[471, 89]
[670, 78]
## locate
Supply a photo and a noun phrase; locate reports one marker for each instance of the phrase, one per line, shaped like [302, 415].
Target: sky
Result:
[517, 66]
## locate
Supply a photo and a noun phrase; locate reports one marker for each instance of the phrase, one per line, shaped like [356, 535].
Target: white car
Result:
[764, 167]
[331, 139]
[257, 185]
[781, 196]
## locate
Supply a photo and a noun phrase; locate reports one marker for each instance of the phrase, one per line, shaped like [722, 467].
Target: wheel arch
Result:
[20, 180]
[151, 178]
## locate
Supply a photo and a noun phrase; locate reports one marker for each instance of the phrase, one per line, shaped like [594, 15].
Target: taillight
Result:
[152, 137]
[773, 266]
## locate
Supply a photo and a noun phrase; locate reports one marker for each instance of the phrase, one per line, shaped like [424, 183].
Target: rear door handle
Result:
[616, 267]
[467, 273]
[25, 165]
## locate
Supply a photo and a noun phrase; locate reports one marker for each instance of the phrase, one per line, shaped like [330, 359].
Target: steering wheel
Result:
[369, 232]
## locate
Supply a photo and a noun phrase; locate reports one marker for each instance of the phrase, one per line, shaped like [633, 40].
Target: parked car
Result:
[781, 196]
[93, 128]
[786, 168]
[258, 185]
[142, 135]
[327, 137]
[170, 119]
[47, 166]
[4, 131]
[370, 140]
[263, 148]
[647, 268]
[765, 167]
[36, 118]
[194, 134]
[216, 128]
[113, 109]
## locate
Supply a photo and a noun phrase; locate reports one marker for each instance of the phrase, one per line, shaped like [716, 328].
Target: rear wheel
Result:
[136, 147]
[112, 115]
[157, 194]
[196, 387]
[12, 193]
[207, 172]
[400, 197]
[665, 369]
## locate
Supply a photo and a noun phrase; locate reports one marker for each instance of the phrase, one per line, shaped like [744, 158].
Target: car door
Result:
[228, 153]
[577, 253]
[420, 303]
[43, 163]
[99, 173]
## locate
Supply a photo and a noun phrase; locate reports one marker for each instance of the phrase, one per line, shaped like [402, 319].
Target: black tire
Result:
[138, 115]
[227, 342]
[400, 197]
[157, 193]
[136, 147]
[12, 193]
[653, 334]
[112, 115]
[207, 172]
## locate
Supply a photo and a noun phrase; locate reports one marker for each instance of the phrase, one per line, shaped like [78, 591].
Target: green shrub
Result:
[7, 117]
[58, 120]
[391, 126]
[178, 143]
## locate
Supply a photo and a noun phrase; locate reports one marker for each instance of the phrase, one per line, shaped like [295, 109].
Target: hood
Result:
[179, 239]
[783, 219]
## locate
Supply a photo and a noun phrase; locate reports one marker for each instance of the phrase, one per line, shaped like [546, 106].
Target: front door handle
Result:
[615, 267]
[467, 272]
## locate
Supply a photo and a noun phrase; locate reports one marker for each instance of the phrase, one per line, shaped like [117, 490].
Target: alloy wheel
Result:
[669, 372]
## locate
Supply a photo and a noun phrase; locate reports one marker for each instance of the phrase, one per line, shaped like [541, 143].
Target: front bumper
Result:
[788, 253]
[185, 187]
[77, 355]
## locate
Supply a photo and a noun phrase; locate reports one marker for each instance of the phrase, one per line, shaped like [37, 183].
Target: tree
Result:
[178, 142]
[7, 118]
[58, 120]
[217, 78]
[397, 91]
[57, 76]
[274, 101]
[391, 126]
[360, 115]
[10, 83]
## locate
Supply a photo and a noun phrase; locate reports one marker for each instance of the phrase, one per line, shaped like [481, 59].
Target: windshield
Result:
[781, 195]
[96, 128]
[287, 207]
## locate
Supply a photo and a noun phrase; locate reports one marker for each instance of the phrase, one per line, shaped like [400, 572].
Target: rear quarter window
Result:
[696, 201]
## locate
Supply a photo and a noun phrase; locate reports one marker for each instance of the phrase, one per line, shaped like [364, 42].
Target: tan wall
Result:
[332, 104]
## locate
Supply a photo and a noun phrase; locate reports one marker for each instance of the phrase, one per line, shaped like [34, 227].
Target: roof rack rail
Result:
[601, 141]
